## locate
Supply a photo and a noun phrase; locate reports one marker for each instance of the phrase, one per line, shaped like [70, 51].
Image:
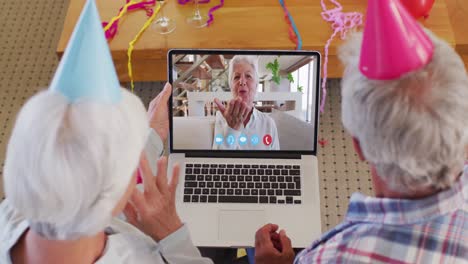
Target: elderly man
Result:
[413, 132]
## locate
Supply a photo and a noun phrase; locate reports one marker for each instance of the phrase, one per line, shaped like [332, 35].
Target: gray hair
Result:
[68, 165]
[414, 129]
[251, 60]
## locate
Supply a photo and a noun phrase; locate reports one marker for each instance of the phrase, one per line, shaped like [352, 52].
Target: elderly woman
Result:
[68, 176]
[413, 132]
[71, 168]
[239, 126]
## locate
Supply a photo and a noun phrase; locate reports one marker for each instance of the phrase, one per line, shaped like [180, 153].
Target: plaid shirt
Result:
[382, 230]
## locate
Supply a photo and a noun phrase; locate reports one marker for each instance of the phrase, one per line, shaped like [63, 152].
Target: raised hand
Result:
[158, 112]
[154, 211]
[235, 113]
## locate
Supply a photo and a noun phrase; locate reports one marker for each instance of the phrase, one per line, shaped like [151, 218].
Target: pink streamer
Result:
[183, 2]
[341, 23]
[139, 179]
[212, 10]
[110, 33]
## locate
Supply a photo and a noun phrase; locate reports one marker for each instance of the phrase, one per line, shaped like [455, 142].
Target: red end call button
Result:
[267, 139]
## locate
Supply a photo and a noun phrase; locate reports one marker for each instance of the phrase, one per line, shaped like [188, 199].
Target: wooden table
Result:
[458, 13]
[240, 24]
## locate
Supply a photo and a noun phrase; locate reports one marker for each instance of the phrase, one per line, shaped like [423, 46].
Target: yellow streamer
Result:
[137, 37]
[120, 15]
[241, 252]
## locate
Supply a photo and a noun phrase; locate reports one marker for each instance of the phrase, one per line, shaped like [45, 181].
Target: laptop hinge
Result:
[254, 155]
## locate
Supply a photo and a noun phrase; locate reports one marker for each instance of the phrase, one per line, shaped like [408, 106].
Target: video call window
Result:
[244, 102]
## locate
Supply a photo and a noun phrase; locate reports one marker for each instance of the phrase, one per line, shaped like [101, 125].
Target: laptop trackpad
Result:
[240, 226]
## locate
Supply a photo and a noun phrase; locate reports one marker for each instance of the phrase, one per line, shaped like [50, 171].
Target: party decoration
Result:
[86, 70]
[294, 35]
[341, 23]
[139, 178]
[394, 43]
[212, 10]
[183, 2]
[112, 27]
[322, 142]
[418, 8]
[131, 45]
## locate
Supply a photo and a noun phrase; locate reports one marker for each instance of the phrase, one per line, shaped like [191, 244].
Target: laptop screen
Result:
[234, 101]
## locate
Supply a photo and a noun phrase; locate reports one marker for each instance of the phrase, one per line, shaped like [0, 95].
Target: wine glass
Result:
[163, 24]
[197, 19]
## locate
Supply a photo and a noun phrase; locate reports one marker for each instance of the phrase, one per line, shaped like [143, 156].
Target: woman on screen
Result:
[239, 126]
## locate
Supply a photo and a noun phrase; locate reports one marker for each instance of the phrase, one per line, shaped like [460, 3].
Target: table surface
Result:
[240, 24]
[458, 14]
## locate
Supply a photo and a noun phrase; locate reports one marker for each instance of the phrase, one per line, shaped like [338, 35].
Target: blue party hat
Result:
[86, 70]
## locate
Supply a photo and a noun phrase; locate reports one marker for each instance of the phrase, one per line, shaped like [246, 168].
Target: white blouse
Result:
[260, 133]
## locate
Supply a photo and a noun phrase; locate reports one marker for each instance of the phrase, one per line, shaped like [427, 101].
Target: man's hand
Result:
[271, 247]
[235, 113]
[158, 113]
[154, 211]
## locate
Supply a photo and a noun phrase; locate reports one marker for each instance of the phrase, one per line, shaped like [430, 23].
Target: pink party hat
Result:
[394, 43]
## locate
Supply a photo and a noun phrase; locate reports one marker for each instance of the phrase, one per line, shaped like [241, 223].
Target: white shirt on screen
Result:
[260, 133]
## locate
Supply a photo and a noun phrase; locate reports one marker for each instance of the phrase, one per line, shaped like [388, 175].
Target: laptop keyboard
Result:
[242, 183]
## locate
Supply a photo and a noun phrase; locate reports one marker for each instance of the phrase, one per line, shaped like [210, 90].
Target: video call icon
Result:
[267, 139]
[242, 139]
[230, 139]
[254, 140]
[219, 139]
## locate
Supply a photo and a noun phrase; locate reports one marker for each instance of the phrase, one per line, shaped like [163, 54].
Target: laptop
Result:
[237, 177]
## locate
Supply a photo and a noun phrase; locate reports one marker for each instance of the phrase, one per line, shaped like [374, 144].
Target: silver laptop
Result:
[237, 177]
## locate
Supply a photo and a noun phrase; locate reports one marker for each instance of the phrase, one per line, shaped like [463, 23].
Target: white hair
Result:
[414, 129]
[69, 164]
[249, 59]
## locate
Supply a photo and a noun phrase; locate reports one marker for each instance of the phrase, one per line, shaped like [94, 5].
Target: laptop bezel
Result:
[244, 153]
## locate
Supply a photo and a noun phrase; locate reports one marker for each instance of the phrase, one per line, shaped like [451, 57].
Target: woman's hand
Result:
[154, 211]
[235, 113]
[158, 112]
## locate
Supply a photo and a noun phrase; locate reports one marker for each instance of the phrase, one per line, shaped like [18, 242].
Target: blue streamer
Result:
[296, 31]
